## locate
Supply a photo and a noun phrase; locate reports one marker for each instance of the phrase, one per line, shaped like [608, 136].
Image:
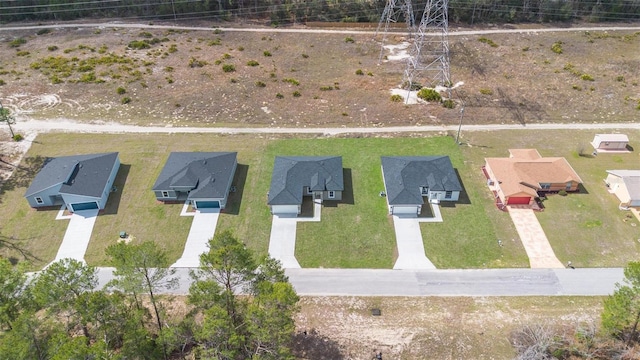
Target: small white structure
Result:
[610, 142]
[625, 184]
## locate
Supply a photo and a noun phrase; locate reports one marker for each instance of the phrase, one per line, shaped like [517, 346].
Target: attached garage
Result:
[207, 204]
[91, 205]
[519, 200]
[404, 210]
[285, 209]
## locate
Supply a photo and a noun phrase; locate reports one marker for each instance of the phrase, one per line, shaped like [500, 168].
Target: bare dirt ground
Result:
[300, 80]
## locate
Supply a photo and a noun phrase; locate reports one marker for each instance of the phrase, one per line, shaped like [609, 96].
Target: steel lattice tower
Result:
[391, 14]
[428, 64]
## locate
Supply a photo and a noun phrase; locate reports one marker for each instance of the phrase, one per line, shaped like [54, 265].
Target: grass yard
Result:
[586, 228]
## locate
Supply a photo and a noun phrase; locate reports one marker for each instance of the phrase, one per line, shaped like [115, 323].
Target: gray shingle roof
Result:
[292, 173]
[85, 175]
[208, 174]
[404, 175]
[631, 179]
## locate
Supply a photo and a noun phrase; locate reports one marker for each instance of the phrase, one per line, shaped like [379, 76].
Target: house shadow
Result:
[629, 148]
[24, 174]
[347, 193]
[462, 199]
[581, 190]
[235, 197]
[313, 345]
[116, 191]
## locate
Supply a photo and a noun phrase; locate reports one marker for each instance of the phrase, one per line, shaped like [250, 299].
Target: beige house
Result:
[519, 178]
[625, 184]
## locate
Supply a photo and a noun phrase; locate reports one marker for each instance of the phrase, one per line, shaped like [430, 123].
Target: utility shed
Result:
[614, 142]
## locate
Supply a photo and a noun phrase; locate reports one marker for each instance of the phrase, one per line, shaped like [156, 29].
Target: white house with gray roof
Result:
[81, 182]
[410, 179]
[202, 178]
[625, 184]
[294, 177]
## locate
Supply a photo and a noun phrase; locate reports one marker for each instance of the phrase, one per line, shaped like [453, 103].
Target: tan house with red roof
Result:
[518, 178]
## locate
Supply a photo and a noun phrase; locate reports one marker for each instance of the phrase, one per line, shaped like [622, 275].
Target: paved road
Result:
[490, 282]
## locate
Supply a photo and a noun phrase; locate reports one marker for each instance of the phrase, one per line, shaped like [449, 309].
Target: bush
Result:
[489, 42]
[449, 104]
[427, 94]
[562, 192]
[326, 88]
[291, 81]
[22, 53]
[370, 73]
[396, 98]
[586, 77]
[349, 40]
[486, 91]
[228, 68]
[121, 91]
[296, 94]
[52, 48]
[43, 31]
[359, 72]
[279, 96]
[193, 62]
[414, 86]
[17, 42]
[266, 53]
[146, 34]
[252, 63]
[2, 82]
[305, 56]
[557, 47]
[138, 45]
[18, 137]
[226, 56]
[168, 69]
[173, 48]
[260, 84]
[125, 100]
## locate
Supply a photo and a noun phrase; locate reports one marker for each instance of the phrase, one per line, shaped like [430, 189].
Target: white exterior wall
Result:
[285, 209]
[440, 195]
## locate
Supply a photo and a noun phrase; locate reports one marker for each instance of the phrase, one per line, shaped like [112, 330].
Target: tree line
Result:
[237, 308]
[301, 11]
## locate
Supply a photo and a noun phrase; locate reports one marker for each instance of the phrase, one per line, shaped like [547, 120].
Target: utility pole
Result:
[5, 116]
[460, 124]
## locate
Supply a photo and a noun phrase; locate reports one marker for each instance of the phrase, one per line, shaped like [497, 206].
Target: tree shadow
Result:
[11, 244]
[24, 173]
[313, 345]
[116, 192]
[235, 197]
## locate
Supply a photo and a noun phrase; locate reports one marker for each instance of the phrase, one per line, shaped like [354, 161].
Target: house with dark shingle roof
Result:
[410, 179]
[320, 177]
[80, 182]
[202, 178]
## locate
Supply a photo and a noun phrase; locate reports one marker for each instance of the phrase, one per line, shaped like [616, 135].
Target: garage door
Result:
[84, 206]
[207, 204]
[404, 210]
[518, 201]
[285, 209]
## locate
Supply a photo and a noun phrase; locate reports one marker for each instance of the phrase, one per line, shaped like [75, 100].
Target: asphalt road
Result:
[489, 282]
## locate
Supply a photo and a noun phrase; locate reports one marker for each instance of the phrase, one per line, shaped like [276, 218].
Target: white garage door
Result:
[284, 209]
[405, 210]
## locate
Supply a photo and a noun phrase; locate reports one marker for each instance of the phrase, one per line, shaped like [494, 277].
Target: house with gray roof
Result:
[202, 178]
[410, 179]
[624, 184]
[294, 177]
[80, 182]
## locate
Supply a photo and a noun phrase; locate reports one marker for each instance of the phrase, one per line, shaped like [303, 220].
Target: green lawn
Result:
[585, 228]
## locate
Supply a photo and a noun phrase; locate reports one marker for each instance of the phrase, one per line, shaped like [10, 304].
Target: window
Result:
[424, 191]
[332, 194]
[568, 186]
[545, 186]
[309, 192]
[165, 194]
[448, 194]
[39, 200]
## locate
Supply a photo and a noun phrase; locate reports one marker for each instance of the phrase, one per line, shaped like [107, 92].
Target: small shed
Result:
[615, 142]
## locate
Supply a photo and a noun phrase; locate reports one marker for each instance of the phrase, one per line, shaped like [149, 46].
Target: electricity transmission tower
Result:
[391, 14]
[428, 63]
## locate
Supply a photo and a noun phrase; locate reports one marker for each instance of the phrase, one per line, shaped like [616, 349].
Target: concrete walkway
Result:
[282, 242]
[76, 238]
[536, 244]
[410, 246]
[202, 229]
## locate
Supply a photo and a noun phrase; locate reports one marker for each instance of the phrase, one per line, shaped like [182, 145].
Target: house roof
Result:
[85, 175]
[206, 174]
[612, 137]
[292, 173]
[523, 174]
[631, 180]
[405, 175]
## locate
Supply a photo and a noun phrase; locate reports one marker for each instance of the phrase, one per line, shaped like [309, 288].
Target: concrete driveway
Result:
[409, 243]
[202, 229]
[76, 238]
[536, 244]
[282, 242]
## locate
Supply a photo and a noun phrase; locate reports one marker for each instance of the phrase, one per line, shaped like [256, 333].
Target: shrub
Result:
[214, 42]
[121, 91]
[56, 80]
[562, 192]
[43, 31]
[326, 88]
[233, 80]
[370, 73]
[359, 72]
[279, 96]
[169, 80]
[252, 63]
[449, 104]
[18, 137]
[291, 81]
[22, 53]
[17, 42]
[427, 94]
[193, 62]
[52, 48]
[228, 68]
[489, 42]
[226, 56]
[349, 40]
[296, 94]
[305, 56]
[125, 100]
[266, 53]
[146, 34]
[260, 84]
[557, 47]
[88, 77]
[103, 49]
[486, 91]
[240, 48]
[414, 86]
[138, 45]
[620, 78]
[586, 77]
[396, 98]
[173, 48]
[576, 87]
[217, 31]
[168, 69]
[525, 48]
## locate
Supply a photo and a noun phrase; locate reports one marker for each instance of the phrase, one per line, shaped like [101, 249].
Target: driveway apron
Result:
[202, 229]
[410, 246]
[536, 244]
[282, 242]
[76, 238]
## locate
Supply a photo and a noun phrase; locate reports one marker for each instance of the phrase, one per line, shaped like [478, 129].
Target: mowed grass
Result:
[586, 228]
